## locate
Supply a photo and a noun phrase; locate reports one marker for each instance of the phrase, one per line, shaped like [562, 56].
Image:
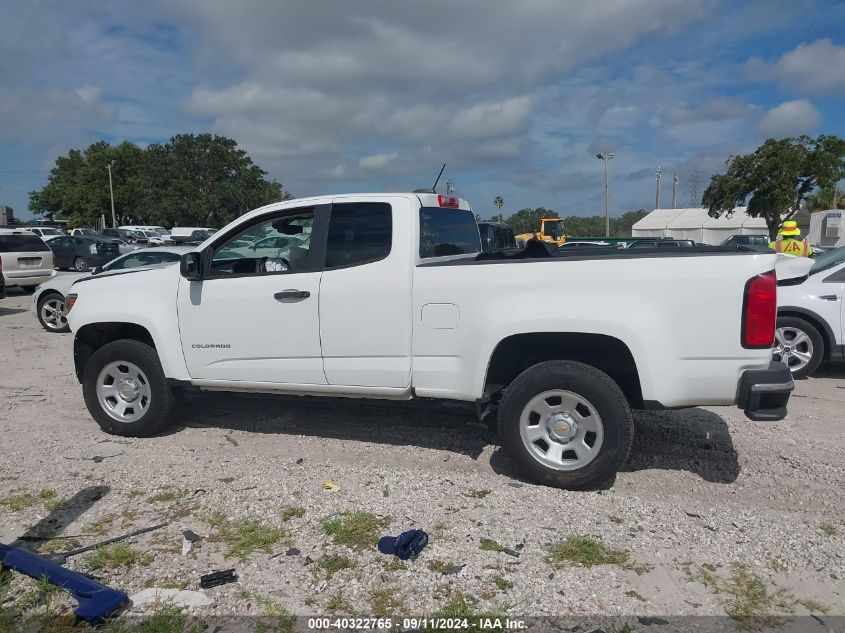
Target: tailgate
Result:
[108, 249]
[27, 261]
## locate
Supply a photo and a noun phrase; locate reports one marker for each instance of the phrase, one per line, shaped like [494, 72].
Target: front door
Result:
[254, 318]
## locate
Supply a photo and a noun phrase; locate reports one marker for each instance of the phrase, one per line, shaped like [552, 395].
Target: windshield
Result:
[51, 232]
[828, 260]
[553, 228]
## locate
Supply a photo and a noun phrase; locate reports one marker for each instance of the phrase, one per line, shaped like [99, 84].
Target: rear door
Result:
[365, 293]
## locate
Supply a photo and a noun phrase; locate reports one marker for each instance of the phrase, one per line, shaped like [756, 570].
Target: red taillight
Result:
[450, 202]
[759, 311]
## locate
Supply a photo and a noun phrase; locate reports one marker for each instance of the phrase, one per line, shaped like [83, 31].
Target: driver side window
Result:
[278, 244]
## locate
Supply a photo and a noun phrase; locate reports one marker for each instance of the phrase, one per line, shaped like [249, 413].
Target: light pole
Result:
[606, 158]
[674, 190]
[499, 202]
[658, 174]
[111, 195]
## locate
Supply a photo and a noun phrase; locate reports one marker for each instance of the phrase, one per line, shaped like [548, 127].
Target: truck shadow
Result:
[694, 440]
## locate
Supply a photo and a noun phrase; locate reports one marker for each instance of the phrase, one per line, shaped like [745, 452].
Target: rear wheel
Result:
[798, 344]
[126, 391]
[566, 424]
[51, 312]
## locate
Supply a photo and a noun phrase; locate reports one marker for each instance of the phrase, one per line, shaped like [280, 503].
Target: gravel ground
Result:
[703, 490]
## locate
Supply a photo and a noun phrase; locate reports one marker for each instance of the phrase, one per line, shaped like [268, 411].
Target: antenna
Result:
[433, 188]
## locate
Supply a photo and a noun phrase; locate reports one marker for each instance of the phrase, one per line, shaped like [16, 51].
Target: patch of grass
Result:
[333, 563]
[47, 495]
[776, 565]
[489, 545]
[477, 493]
[292, 512]
[441, 566]
[355, 529]
[245, 536]
[615, 519]
[100, 527]
[814, 606]
[502, 583]
[385, 492]
[394, 564]
[440, 531]
[59, 545]
[120, 555]
[135, 493]
[165, 496]
[461, 607]
[589, 552]
[829, 528]
[17, 502]
[164, 619]
[386, 602]
[339, 603]
[310, 601]
[227, 480]
[166, 584]
[277, 618]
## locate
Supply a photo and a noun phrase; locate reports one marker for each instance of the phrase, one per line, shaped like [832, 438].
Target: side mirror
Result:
[190, 266]
[96, 270]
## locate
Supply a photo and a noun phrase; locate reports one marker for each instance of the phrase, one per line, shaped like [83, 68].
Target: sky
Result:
[516, 97]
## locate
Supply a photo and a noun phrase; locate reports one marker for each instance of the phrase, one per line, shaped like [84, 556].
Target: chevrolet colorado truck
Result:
[389, 296]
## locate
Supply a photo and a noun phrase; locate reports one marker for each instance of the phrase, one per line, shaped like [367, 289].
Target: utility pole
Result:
[499, 202]
[658, 173]
[450, 187]
[111, 194]
[674, 190]
[606, 158]
[695, 176]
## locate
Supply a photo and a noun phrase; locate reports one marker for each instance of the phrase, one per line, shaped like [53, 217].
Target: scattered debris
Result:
[694, 515]
[216, 578]
[321, 586]
[60, 558]
[292, 552]
[649, 621]
[179, 598]
[96, 459]
[231, 440]
[300, 460]
[330, 486]
[188, 540]
[407, 545]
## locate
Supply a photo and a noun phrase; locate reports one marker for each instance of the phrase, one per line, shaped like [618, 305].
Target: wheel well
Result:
[92, 337]
[517, 353]
[816, 323]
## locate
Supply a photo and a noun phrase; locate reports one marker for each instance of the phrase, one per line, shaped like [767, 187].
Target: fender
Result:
[827, 331]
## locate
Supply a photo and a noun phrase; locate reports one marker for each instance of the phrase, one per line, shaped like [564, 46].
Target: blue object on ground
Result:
[96, 601]
[407, 545]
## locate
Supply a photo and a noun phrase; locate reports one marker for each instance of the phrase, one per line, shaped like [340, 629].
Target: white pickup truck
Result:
[388, 296]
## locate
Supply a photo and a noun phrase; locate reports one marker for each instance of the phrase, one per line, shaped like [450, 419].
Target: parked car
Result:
[661, 243]
[46, 233]
[2, 281]
[396, 301]
[180, 234]
[130, 237]
[26, 259]
[746, 240]
[83, 232]
[811, 316]
[586, 244]
[82, 253]
[157, 235]
[48, 301]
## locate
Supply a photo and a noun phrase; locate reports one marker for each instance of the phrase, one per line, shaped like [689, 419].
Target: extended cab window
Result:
[448, 232]
[281, 243]
[359, 232]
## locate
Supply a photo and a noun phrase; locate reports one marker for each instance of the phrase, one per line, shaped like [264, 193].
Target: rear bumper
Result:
[763, 393]
[28, 277]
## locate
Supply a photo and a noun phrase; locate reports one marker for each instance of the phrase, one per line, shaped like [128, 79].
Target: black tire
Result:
[815, 337]
[44, 298]
[589, 383]
[79, 264]
[162, 401]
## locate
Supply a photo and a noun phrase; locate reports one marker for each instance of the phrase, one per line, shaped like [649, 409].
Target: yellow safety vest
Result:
[790, 246]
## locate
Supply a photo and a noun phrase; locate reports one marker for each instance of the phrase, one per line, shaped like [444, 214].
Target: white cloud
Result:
[790, 118]
[816, 68]
[377, 161]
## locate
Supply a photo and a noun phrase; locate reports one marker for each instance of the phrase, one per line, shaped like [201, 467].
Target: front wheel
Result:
[80, 265]
[567, 424]
[126, 391]
[51, 312]
[798, 344]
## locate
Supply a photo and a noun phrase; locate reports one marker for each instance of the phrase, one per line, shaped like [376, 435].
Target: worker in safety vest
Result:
[787, 242]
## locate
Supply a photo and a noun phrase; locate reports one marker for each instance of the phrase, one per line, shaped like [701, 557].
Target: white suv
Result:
[27, 260]
[811, 317]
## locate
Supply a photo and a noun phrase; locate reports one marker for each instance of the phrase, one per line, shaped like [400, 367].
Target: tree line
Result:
[191, 180]
[528, 220]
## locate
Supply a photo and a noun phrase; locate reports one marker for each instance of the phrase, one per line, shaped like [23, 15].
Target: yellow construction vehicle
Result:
[551, 230]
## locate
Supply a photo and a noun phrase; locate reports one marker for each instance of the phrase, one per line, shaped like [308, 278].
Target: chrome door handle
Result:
[829, 297]
[291, 296]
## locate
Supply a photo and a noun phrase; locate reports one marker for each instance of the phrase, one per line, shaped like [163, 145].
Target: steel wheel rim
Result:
[123, 391]
[561, 430]
[53, 314]
[792, 346]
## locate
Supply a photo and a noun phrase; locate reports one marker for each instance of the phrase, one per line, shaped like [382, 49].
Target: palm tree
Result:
[499, 202]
